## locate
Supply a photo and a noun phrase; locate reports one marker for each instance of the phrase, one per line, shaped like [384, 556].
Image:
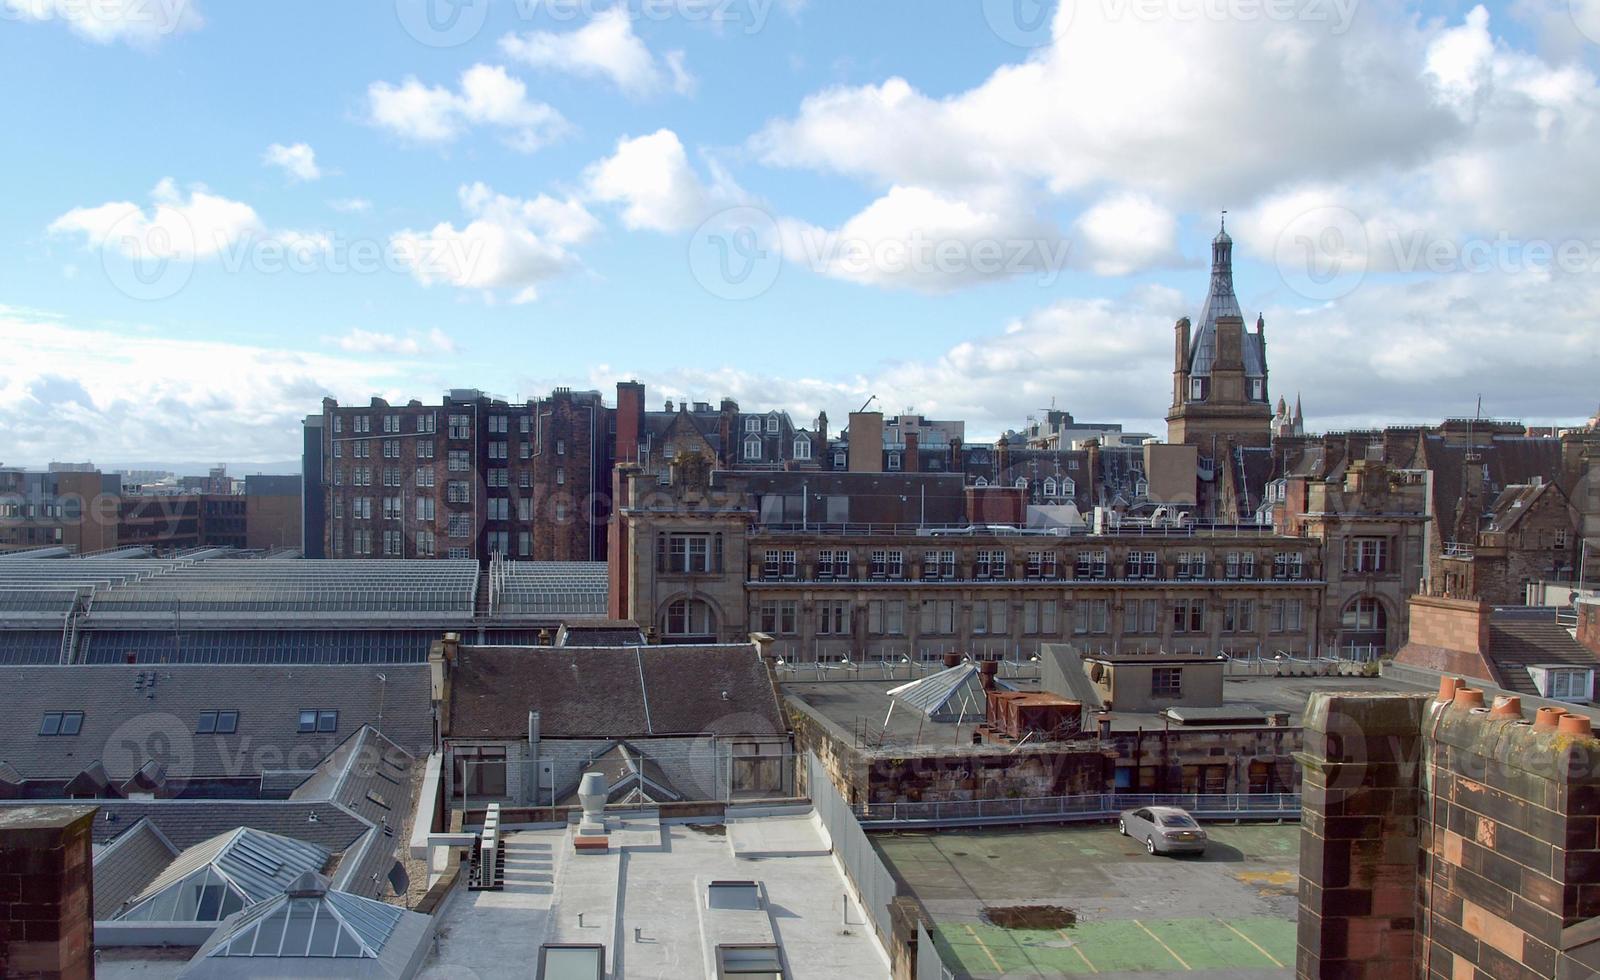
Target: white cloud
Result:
[196, 226]
[361, 341]
[69, 391]
[917, 238]
[651, 178]
[509, 243]
[606, 47]
[136, 22]
[1127, 233]
[351, 205]
[298, 161]
[486, 96]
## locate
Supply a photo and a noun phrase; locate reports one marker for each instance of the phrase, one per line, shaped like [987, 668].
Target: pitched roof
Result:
[124, 714]
[1517, 643]
[611, 692]
[253, 864]
[123, 868]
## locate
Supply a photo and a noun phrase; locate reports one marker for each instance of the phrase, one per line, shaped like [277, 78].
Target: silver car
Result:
[1163, 829]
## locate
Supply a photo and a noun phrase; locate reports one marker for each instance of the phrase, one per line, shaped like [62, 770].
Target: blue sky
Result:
[940, 204]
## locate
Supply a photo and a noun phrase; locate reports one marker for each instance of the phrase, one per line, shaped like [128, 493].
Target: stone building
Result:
[696, 560]
[467, 478]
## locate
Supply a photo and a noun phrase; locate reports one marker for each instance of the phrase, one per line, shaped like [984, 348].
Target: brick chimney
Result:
[630, 420]
[1449, 635]
[912, 456]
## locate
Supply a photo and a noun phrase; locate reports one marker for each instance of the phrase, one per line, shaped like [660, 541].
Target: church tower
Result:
[1219, 376]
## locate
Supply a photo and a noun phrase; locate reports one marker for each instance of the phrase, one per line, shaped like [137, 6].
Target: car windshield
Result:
[1178, 820]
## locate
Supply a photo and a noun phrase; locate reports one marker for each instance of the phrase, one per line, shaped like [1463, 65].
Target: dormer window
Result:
[772, 423]
[752, 447]
[802, 448]
[1258, 389]
[752, 425]
[1197, 389]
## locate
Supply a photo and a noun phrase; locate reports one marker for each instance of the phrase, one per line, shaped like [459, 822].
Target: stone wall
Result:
[1447, 843]
[46, 892]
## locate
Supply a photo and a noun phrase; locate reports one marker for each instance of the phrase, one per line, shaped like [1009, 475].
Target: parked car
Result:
[1163, 830]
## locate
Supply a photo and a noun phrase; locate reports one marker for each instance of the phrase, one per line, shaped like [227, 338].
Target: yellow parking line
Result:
[985, 947]
[1164, 946]
[1252, 942]
[1079, 950]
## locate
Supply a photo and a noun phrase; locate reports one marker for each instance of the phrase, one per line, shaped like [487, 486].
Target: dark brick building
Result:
[467, 478]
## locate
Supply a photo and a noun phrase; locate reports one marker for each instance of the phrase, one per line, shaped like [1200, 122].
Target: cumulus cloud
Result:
[136, 22]
[486, 96]
[351, 205]
[70, 391]
[189, 226]
[508, 243]
[607, 47]
[299, 161]
[651, 179]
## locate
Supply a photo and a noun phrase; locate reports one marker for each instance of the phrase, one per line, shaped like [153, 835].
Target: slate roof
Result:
[600, 633]
[611, 692]
[123, 868]
[122, 721]
[632, 777]
[1515, 643]
[189, 822]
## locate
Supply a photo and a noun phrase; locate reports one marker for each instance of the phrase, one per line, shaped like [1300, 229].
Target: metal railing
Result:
[1082, 807]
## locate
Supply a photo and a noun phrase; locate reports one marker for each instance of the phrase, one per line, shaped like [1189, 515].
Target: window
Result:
[1239, 616]
[1197, 389]
[938, 616]
[1091, 564]
[1141, 564]
[833, 617]
[217, 723]
[1287, 564]
[744, 895]
[938, 564]
[1041, 564]
[428, 423]
[802, 448]
[886, 617]
[1366, 555]
[460, 427]
[1241, 564]
[1090, 616]
[362, 423]
[1567, 685]
[1049, 486]
[391, 449]
[888, 564]
[460, 526]
[499, 542]
[833, 563]
[497, 424]
[425, 448]
[561, 476]
[1364, 614]
[424, 544]
[1191, 564]
[779, 617]
[684, 554]
[689, 618]
[497, 449]
[839, 461]
[1139, 616]
[1258, 389]
[61, 723]
[499, 508]
[894, 461]
[318, 720]
[1188, 616]
[338, 424]
[1561, 538]
[424, 508]
[525, 424]
[752, 447]
[1286, 616]
[455, 492]
[424, 476]
[991, 563]
[459, 461]
[363, 543]
[1039, 616]
[749, 961]
[989, 617]
[772, 423]
[1166, 682]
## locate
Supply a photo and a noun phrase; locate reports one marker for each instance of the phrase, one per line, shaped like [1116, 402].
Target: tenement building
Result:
[702, 559]
[468, 478]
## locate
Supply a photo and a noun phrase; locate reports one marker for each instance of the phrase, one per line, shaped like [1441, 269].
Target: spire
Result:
[1220, 302]
[1298, 418]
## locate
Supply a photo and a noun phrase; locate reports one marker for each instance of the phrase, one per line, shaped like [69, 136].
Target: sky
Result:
[215, 214]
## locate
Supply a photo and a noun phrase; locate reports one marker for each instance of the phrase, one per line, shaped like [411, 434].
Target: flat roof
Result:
[659, 890]
[1083, 900]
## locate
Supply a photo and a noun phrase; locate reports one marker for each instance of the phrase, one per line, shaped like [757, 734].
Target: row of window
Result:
[362, 424]
[208, 722]
[887, 617]
[995, 563]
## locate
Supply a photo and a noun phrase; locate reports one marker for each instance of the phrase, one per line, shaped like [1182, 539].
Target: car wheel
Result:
[1150, 844]
[1122, 828]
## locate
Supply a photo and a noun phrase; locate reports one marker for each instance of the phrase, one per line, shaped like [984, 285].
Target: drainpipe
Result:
[533, 755]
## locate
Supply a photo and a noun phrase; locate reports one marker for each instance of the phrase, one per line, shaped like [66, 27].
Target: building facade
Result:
[467, 478]
[695, 563]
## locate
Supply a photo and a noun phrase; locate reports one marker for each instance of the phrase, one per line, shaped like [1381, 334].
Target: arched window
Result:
[752, 447]
[689, 619]
[1365, 614]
